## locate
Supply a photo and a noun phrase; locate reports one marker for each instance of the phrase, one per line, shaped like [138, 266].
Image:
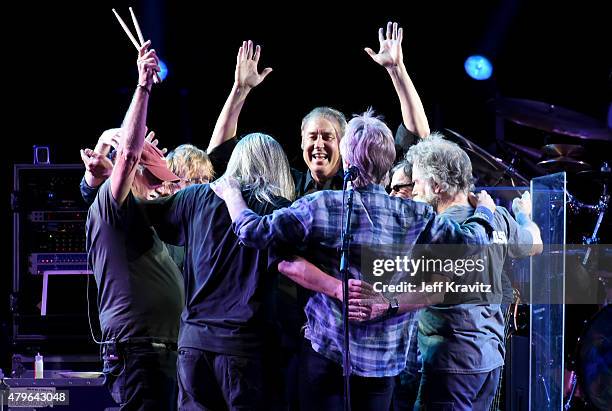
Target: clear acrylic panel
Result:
[547, 283]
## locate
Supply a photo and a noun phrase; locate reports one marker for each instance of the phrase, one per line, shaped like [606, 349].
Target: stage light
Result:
[478, 67]
[164, 70]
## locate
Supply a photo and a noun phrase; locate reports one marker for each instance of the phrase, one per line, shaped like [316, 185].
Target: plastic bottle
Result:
[39, 367]
[4, 392]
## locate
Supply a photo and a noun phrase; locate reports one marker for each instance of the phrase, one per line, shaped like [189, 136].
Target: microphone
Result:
[351, 173]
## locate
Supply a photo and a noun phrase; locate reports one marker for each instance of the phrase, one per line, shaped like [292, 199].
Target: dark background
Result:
[69, 70]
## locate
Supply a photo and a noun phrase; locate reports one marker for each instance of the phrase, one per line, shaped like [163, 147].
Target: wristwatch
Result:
[393, 306]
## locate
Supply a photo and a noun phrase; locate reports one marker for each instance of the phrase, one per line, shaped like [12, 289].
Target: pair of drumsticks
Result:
[137, 44]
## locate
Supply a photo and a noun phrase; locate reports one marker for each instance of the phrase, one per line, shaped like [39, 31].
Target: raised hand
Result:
[390, 51]
[246, 75]
[522, 205]
[97, 164]
[110, 137]
[151, 139]
[148, 63]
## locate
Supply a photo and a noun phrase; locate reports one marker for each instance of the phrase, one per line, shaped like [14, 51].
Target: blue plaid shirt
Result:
[378, 348]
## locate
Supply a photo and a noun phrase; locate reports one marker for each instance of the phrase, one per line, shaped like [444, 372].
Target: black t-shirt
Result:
[220, 155]
[140, 292]
[404, 139]
[229, 288]
[305, 184]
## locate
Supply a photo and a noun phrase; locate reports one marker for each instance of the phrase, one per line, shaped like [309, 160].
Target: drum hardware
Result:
[602, 207]
[534, 153]
[488, 170]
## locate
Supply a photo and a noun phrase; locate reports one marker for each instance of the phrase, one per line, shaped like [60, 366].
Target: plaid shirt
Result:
[378, 348]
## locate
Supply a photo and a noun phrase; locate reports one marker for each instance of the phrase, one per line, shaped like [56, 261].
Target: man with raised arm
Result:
[140, 292]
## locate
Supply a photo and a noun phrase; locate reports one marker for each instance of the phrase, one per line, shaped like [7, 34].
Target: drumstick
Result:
[127, 31]
[156, 78]
[138, 32]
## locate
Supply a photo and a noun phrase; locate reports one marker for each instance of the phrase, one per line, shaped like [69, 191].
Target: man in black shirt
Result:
[226, 323]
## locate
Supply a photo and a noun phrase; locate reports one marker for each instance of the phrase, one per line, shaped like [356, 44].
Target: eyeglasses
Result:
[398, 187]
[196, 180]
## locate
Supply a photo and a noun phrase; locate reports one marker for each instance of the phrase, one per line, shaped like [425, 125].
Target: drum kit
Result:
[577, 135]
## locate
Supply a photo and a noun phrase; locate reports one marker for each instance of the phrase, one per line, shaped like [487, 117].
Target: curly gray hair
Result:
[444, 162]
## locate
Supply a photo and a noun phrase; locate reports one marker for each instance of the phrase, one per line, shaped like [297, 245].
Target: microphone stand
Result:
[346, 238]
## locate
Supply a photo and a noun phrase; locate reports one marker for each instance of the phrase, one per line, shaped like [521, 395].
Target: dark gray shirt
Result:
[140, 292]
[465, 334]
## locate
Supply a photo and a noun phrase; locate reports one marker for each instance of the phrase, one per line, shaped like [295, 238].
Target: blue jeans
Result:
[457, 392]
[322, 386]
[141, 377]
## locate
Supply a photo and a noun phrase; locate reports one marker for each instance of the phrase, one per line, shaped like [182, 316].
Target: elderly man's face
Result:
[146, 186]
[401, 185]
[320, 147]
[424, 189]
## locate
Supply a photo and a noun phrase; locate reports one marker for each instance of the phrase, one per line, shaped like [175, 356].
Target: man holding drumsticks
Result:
[140, 292]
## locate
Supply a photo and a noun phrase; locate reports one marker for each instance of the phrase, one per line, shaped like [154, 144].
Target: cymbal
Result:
[597, 176]
[568, 164]
[563, 150]
[551, 118]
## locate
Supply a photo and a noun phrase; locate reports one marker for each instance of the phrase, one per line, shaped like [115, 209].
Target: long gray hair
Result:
[260, 165]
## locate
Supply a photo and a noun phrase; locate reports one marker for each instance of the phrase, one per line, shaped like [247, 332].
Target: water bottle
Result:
[38, 367]
[4, 392]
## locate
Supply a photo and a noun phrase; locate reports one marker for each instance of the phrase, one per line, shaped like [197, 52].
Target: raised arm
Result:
[134, 126]
[246, 78]
[390, 56]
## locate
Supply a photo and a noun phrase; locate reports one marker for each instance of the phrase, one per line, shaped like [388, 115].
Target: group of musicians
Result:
[213, 326]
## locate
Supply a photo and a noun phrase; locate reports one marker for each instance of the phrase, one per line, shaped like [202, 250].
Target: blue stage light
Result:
[478, 67]
[164, 70]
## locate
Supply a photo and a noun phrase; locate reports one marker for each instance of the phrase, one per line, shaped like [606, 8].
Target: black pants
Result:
[212, 381]
[406, 390]
[141, 377]
[457, 392]
[322, 386]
